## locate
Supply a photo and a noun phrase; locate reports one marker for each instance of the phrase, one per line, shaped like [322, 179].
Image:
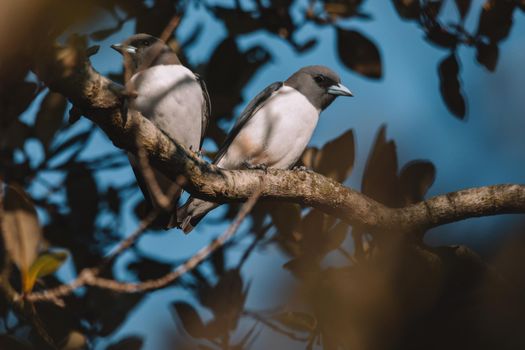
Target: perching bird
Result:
[168, 94]
[273, 130]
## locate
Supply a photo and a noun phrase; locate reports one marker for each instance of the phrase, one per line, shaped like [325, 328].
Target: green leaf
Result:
[44, 265]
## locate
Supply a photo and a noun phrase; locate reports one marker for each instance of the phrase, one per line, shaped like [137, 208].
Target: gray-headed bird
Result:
[273, 130]
[170, 95]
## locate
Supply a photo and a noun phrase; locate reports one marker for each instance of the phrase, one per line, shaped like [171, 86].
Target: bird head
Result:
[319, 84]
[141, 51]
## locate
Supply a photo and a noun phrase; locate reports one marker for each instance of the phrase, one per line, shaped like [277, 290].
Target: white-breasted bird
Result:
[170, 95]
[273, 130]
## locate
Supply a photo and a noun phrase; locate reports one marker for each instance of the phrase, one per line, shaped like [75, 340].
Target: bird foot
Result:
[255, 166]
[302, 168]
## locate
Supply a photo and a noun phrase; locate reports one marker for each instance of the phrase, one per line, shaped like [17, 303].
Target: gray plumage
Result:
[168, 94]
[273, 130]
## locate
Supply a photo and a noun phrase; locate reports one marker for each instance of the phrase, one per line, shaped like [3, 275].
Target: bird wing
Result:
[206, 107]
[255, 104]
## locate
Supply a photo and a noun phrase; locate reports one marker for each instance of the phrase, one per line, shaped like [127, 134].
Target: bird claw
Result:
[250, 166]
[302, 168]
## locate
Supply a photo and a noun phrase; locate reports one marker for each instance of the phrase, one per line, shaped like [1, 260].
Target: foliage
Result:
[386, 294]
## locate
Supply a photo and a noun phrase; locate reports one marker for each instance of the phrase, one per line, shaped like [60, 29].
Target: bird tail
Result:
[191, 213]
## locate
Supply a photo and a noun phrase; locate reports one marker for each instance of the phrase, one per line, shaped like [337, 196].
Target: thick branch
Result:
[95, 95]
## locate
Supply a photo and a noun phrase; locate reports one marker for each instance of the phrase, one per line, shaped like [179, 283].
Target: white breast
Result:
[171, 97]
[277, 134]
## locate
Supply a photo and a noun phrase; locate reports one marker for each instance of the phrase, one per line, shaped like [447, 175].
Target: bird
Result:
[273, 130]
[171, 96]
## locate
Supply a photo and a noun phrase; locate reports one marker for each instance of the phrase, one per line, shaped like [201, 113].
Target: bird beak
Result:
[124, 48]
[339, 90]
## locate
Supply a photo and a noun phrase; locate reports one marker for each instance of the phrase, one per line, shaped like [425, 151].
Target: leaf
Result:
[450, 86]
[407, 9]
[73, 141]
[298, 321]
[380, 181]
[335, 237]
[359, 53]
[20, 96]
[416, 178]
[463, 7]
[82, 198]
[128, 343]
[145, 268]
[487, 55]
[49, 117]
[495, 20]
[113, 199]
[440, 36]
[336, 159]
[21, 231]
[190, 319]
[342, 8]
[45, 264]
[16, 135]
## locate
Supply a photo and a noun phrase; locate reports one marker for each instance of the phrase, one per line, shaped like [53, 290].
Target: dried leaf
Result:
[45, 264]
[450, 86]
[49, 117]
[190, 319]
[21, 231]
[359, 53]
[75, 341]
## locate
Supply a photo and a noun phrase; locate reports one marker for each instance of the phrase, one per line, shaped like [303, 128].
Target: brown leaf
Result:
[487, 55]
[416, 178]
[190, 319]
[16, 135]
[407, 9]
[380, 181]
[359, 53]
[336, 158]
[450, 86]
[49, 118]
[495, 20]
[17, 101]
[463, 7]
[21, 231]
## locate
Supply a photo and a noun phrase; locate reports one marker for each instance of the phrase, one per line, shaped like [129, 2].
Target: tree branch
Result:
[68, 71]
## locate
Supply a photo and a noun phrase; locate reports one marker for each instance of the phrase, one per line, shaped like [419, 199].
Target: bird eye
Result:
[146, 42]
[319, 78]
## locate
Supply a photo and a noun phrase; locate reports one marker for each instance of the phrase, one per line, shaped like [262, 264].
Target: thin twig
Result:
[88, 277]
[273, 326]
